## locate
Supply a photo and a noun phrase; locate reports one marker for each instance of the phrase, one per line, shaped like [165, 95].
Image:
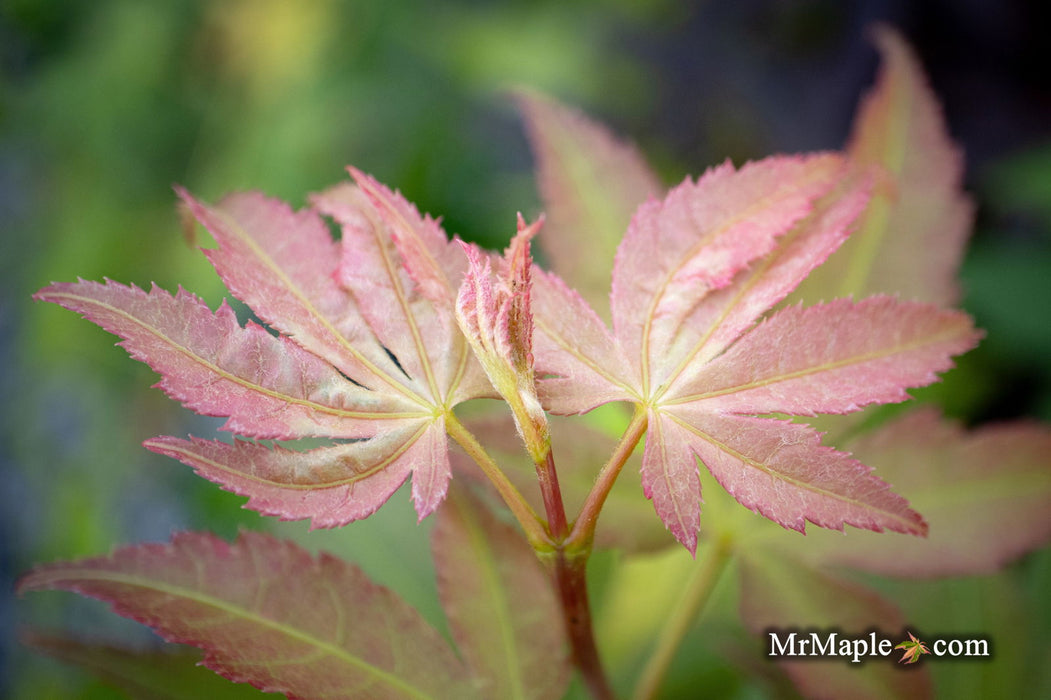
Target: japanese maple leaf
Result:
[367, 349]
[693, 274]
[913, 648]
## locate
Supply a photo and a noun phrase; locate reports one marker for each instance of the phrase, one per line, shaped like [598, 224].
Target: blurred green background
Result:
[104, 105]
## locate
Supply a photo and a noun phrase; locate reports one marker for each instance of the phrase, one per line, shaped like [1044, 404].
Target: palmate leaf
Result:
[266, 612]
[913, 649]
[983, 491]
[695, 241]
[693, 274]
[405, 273]
[369, 350]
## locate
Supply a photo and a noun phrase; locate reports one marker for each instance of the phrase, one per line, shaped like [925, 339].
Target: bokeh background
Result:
[105, 104]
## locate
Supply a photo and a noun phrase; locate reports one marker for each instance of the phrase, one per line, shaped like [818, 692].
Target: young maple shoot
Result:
[498, 324]
[372, 347]
[381, 335]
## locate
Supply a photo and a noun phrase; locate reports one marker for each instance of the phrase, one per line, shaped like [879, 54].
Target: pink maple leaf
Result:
[368, 349]
[692, 276]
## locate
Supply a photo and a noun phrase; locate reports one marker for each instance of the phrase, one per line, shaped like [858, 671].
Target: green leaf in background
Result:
[984, 494]
[911, 238]
[591, 183]
[500, 602]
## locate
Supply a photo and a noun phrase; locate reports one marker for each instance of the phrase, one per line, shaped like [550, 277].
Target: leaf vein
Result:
[887, 351]
[323, 646]
[224, 375]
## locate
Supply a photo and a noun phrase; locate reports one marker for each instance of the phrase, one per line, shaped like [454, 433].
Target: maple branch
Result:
[534, 527]
[583, 532]
[571, 579]
[683, 615]
[573, 552]
[569, 564]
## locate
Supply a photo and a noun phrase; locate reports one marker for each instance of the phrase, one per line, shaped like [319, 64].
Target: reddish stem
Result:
[570, 575]
[573, 549]
[556, 511]
[571, 580]
[584, 526]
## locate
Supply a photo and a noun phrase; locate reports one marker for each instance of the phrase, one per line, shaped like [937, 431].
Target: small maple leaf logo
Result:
[913, 649]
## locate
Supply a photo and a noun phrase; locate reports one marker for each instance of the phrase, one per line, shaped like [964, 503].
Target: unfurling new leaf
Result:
[497, 321]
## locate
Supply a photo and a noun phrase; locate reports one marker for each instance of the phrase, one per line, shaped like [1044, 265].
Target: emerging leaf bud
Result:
[495, 316]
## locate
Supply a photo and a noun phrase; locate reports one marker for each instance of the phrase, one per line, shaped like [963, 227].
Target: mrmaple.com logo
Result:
[831, 643]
